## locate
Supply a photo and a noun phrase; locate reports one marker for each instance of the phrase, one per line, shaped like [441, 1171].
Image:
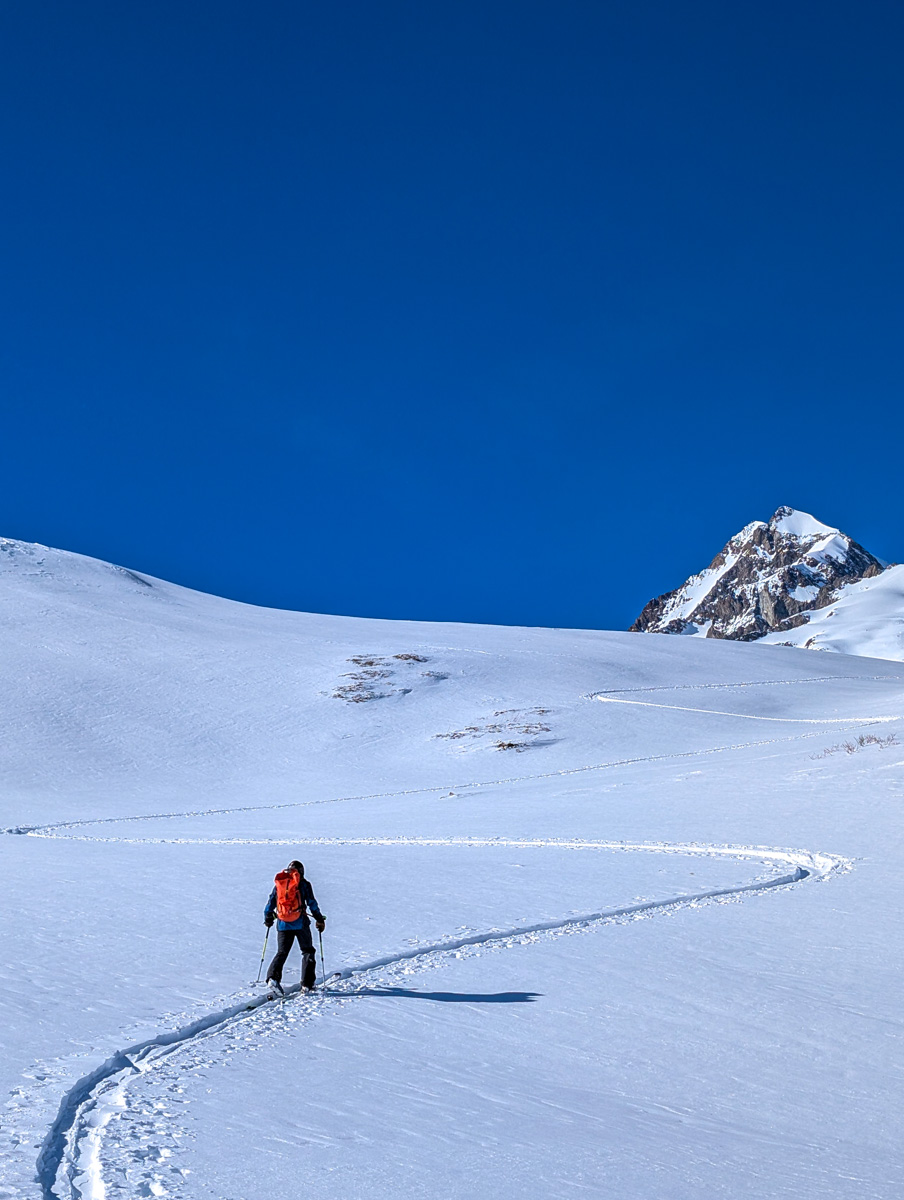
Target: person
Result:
[288, 905]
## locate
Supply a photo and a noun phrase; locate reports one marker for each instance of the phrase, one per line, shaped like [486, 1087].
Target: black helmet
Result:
[295, 865]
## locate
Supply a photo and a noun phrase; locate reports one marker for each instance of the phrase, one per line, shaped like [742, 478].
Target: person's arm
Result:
[270, 910]
[319, 918]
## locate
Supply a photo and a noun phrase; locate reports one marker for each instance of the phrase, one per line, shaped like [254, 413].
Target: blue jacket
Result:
[308, 902]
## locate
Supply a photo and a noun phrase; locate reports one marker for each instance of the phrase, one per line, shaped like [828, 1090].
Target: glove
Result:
[320, 922]
[268, 920]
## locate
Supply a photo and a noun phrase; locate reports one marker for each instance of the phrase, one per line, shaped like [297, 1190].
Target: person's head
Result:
[295, 865]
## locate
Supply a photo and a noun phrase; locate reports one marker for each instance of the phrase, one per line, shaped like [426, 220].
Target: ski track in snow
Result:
[713, 712]
[706, 687]
[50, 830]
[70, 1163]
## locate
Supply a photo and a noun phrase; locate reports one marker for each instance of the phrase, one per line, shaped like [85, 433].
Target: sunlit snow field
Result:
[741, 1045]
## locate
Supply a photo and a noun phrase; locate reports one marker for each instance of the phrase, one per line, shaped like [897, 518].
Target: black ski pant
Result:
[284, 940]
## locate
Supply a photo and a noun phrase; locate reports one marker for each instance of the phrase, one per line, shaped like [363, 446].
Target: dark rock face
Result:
[767, 578]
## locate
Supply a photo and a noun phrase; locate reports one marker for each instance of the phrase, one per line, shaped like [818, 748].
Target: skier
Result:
[289, 901]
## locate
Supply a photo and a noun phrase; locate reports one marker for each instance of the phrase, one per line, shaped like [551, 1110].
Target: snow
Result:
[556, 976]
[830, 549]
[804, 593]
[867, 619]
[799, 524]
[698, 588]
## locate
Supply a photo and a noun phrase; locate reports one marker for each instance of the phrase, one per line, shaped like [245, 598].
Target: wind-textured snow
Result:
[614, 915]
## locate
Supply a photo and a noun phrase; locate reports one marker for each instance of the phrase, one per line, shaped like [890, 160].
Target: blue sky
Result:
[505, 312]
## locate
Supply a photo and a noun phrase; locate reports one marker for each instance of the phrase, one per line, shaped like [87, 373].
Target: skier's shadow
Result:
[448, 997]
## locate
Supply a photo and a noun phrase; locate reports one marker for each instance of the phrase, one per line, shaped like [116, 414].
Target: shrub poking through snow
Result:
[375, 677]
[514, 721]
[859, 743]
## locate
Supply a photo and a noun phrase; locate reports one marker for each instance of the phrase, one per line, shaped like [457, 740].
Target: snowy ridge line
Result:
[70, 1155]
[704, 687]
[47, 830]
[603, 698]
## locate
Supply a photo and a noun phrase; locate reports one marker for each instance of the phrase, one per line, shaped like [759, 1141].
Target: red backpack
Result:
[289, 902]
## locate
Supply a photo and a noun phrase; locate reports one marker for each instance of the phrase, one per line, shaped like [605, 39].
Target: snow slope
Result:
[642, 950]
[867, 618]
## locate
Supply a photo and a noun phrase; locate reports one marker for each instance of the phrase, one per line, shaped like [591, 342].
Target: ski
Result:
[319, 988]
[274, 994]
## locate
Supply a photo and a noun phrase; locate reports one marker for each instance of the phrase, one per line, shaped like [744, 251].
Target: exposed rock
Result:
[767, 578]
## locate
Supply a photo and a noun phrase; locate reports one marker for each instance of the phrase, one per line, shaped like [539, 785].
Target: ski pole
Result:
[263, 955]
[322, 967]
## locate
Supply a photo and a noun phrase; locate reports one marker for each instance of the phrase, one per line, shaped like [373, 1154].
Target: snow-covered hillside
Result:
[775, 578]
[866, 618]
[610, 912]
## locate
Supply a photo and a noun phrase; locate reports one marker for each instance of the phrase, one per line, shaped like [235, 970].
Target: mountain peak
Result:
[767, 578]
[799, 524]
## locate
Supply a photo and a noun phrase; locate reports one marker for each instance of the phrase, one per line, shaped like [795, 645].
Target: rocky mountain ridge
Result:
[767, 579]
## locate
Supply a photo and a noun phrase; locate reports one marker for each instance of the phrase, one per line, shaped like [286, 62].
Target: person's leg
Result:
[308, 957]
[284, 939]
